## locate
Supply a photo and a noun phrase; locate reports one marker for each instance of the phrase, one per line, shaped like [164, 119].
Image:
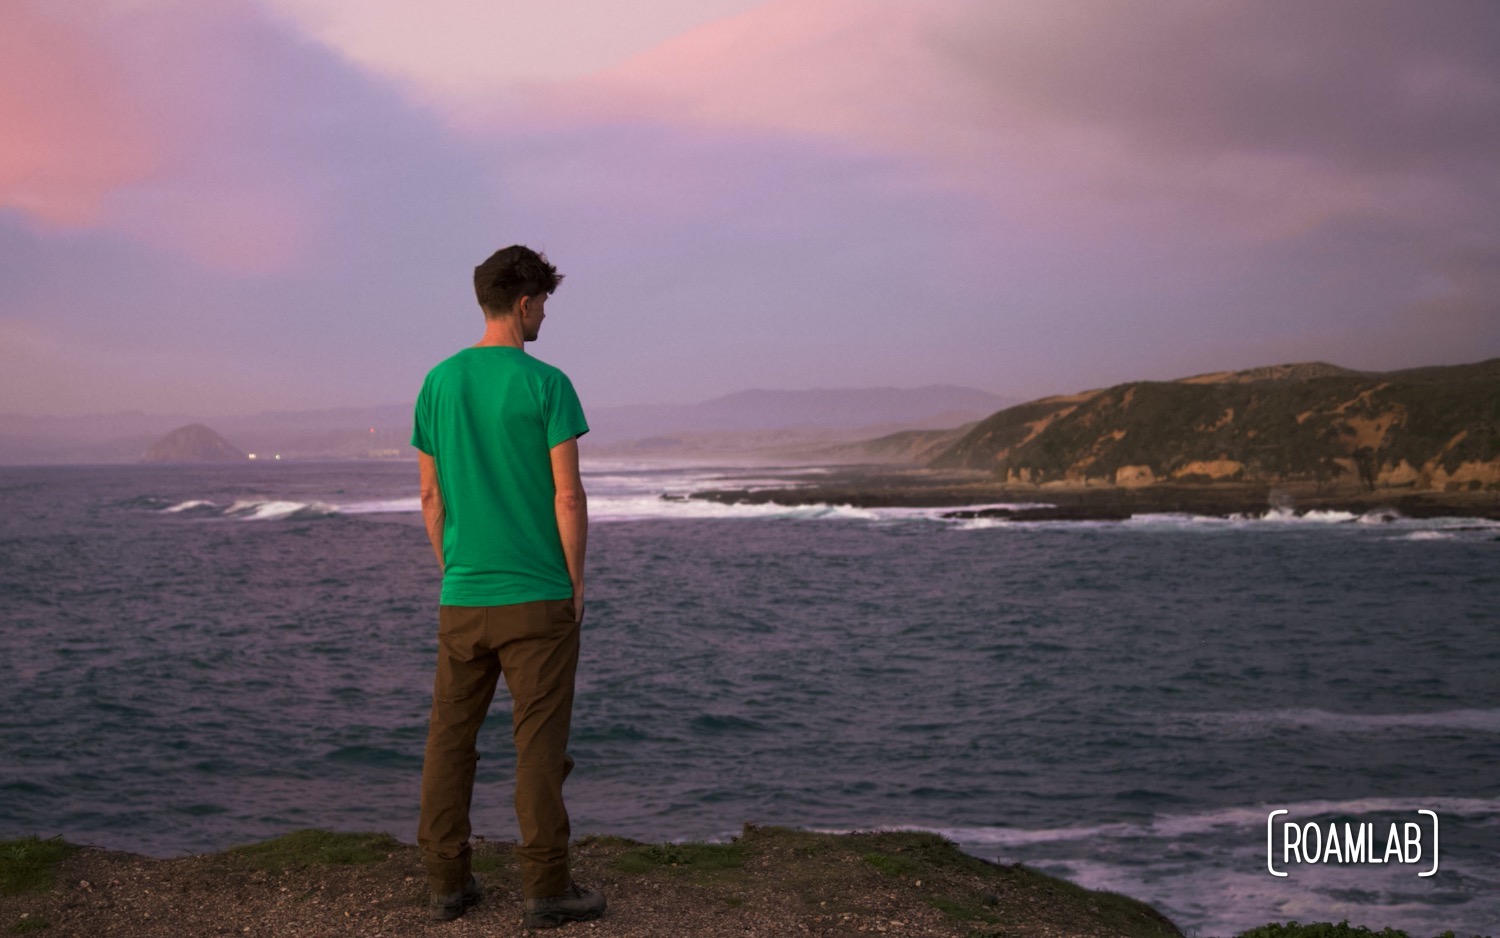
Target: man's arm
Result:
[572, 507]
[432, 504]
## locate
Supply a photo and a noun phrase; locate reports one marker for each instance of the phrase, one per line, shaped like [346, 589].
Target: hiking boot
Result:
[576, 904]
[448, 907]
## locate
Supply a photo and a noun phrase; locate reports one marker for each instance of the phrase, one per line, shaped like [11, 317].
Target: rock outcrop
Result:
[193, 443]
[1424, 429]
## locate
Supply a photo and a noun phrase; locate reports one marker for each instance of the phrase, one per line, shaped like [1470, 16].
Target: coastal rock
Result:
[193, 443]
[1134, 476]
[766, 883]
[1422, 430]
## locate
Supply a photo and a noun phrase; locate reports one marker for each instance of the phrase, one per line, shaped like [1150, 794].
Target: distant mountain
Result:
[771, 424]
[837, 413]
[380, 431]
[193, 443]
[1431, 429]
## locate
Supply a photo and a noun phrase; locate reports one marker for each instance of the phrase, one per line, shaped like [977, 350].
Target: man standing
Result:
[497, 434]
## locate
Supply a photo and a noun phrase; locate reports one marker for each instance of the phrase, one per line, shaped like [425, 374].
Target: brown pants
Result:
[535, 645]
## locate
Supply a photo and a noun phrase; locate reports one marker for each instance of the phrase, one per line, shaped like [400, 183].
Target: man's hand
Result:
[572, 506]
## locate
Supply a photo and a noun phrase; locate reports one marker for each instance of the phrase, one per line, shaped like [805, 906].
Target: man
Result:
[497, 434]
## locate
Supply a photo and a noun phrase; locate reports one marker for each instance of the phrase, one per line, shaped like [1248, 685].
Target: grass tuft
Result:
[316, 848]
[700, 857]
[1325, 930]
[26, 864]
[893, 865]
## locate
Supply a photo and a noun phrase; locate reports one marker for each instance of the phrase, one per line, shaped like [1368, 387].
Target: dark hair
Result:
[511, 273]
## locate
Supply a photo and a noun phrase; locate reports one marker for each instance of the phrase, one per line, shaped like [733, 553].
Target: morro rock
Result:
[193, 443]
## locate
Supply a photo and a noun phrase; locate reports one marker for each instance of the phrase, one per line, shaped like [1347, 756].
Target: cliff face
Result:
[1425, 429]
[193, 443]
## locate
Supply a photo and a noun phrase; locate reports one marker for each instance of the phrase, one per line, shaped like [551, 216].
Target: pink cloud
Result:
[73, 135]
[1230, 122]
[156, 121]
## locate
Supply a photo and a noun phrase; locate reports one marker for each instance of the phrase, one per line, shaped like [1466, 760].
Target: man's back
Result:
[490, 417]
[507, 516]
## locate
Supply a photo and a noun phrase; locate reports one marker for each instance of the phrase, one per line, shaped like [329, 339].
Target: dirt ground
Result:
[769, 882]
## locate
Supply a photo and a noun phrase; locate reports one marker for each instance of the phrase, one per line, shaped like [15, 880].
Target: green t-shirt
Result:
[489, 417]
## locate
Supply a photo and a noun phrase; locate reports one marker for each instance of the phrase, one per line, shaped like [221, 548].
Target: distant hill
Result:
[755, 424]
[1429, 429]
[343, 433]
[835, 413]
[193, 443]
[907, 447]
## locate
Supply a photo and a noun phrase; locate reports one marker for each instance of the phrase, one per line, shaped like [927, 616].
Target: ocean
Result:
[192, 658]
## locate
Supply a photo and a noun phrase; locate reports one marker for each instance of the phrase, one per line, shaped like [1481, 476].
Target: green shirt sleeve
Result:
[420, 432]
[564, 413]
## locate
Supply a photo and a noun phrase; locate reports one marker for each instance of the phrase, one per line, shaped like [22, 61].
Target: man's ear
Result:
[522, 306]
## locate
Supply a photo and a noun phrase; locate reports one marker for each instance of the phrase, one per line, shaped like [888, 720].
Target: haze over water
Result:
[194, 658]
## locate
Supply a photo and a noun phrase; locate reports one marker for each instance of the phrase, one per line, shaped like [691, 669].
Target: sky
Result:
[277, 204]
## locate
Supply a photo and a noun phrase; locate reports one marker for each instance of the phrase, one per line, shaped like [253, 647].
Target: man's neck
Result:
[503, 330]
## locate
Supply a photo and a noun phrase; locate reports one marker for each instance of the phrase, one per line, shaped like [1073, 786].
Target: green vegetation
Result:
[966, 889]
[28, 925]
[316, 848]
[695, 856]
[491, 860]
[26, 864]
[1312, 426]
[1325, 930]
[892, 866]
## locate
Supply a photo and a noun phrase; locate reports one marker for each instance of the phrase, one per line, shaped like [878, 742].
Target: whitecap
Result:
[1429, 535]
[273, 509]
[411, 503]
[189, 505]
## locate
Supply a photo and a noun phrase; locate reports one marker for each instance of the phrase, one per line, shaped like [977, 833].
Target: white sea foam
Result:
[1177, 826]
[273, 509]
[189, 505]
[1207, 869]
[626, 491]
[645, 507]
[411, 503]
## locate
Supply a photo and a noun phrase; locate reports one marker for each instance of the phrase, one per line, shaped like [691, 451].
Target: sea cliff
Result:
[1419, 430]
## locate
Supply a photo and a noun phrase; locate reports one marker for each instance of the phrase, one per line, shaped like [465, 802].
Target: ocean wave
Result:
[667, 496]
[1388, 518]
[189, 505]
[1286, 516]
[409, 504]
[1178, 826]
[639, 507]
[250, 509]
[1473, 720]
[656, 507]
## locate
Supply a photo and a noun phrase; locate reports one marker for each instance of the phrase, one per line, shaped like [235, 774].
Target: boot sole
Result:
[555, 919]
[447, 913]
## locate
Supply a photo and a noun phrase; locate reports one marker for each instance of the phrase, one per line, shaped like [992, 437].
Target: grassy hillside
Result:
[1423, 429]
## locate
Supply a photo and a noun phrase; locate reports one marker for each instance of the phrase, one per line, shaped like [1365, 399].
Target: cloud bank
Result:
[258, 205]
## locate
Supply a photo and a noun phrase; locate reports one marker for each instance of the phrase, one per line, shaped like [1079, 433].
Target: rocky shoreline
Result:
[882, 487]
[766, 882]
